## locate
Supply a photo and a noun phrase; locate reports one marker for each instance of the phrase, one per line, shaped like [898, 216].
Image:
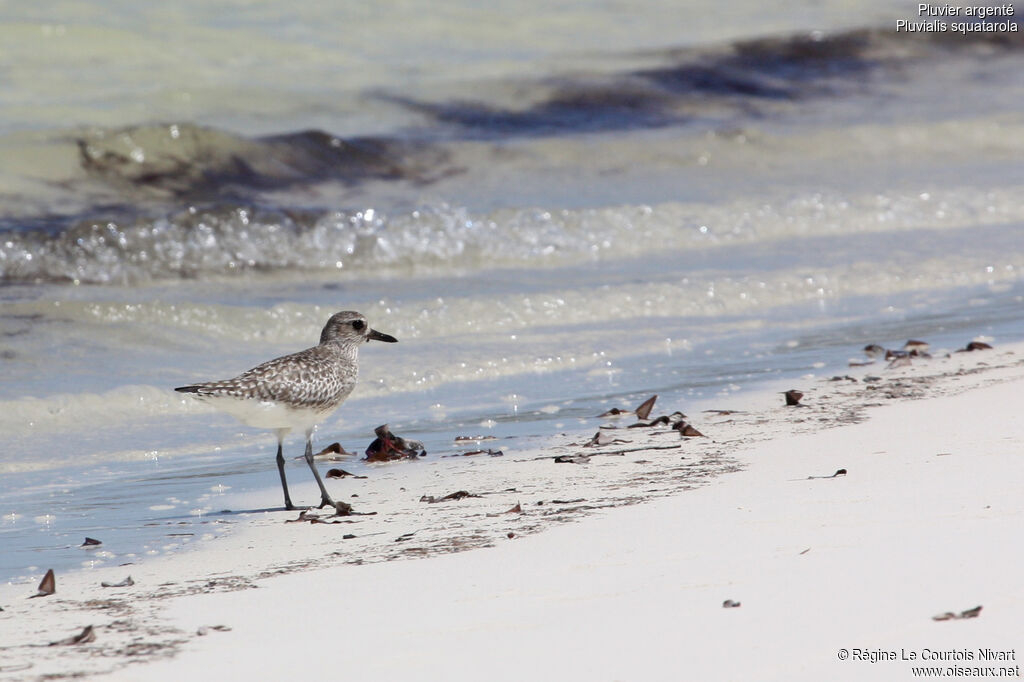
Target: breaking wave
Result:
[223, 241]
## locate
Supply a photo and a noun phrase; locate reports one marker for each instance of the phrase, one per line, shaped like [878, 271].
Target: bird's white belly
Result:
[267, 414]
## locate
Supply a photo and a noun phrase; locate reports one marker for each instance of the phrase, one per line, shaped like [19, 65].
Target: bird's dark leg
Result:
[280, 469]
[325, 498]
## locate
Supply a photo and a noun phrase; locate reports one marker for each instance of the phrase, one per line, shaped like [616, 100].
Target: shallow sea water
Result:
[692, 209]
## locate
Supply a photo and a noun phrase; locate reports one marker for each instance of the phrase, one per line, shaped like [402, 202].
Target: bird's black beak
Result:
[375, 335]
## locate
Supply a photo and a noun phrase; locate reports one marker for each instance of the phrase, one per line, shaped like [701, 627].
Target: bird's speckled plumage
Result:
[296, 391]
[318, 378]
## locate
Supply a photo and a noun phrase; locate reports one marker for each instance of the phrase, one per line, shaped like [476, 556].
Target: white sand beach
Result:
[617, 568]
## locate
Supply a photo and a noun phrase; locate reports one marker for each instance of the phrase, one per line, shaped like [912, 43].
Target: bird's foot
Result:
[340, 508]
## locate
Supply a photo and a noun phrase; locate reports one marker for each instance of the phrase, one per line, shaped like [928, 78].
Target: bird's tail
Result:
[188, 389]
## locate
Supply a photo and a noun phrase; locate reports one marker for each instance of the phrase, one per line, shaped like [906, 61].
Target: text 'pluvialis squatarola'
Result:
[297, 391]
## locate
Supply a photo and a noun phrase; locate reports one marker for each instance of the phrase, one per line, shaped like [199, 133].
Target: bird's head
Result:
[350, 326]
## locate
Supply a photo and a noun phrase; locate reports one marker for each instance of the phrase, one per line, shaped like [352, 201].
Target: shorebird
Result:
[297, 391]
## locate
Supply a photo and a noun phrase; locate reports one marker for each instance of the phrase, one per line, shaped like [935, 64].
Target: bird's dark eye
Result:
[358, 325]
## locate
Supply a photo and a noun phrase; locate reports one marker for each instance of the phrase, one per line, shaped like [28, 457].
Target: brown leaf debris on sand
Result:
[900, 361]
[387, 447]
[687, 430]
[517, 509]
[345, 509]
[303, 516]
[601, 438]
[470, 453]
[84, 637]
[873, 350]
[642, 411]
[204, 630]
[793, 397]
[838, 473]
[47, 586]
[334, 449]
[915, 347]
[127, 582]
[333, 452]
[457, 495]
[963, 615]
[340, 509]
[341, 473]
[657, 421]
[975, 345]
[572, 459]
[676, 421]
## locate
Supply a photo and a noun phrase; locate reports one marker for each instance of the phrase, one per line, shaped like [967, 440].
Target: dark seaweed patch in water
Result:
[745, 78]
[620, 104]
[774, 68]
[126, 171]
[198, 163]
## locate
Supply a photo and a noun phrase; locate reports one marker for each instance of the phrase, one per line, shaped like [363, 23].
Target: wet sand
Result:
[614, 565]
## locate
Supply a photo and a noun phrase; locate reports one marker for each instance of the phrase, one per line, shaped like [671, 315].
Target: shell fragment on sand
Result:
[340, 473]
[88, 634]
[642, 411]
[975, 345]
[457, 495]
[387, 446]
[963, 615]
[793, 397]
[47, 586]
